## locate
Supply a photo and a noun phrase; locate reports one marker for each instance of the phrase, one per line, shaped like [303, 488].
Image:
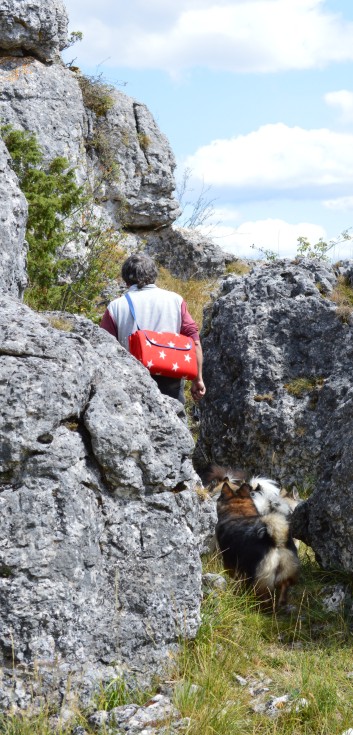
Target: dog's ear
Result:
[244, 490]
[227, 492]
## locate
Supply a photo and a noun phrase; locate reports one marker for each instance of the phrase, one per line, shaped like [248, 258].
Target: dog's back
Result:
[257, 548]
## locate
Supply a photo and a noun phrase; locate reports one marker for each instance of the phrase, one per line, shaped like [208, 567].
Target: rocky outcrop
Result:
[187, 253]
[47, 101]
[99, 545]
[33, 26]
[13, 219]
[144, 185]
[279, 376]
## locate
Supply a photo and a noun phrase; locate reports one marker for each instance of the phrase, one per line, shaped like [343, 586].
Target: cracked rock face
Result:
[13, 219]
[267, 331]
[146, 164]
[99, 558]
[33, 26]
[47, 101]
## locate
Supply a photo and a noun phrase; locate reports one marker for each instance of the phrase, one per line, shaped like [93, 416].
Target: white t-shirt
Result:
[155, 309]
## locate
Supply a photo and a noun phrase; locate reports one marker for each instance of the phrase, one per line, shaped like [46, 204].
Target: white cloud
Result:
[343, 100]
[236, 36]
[278, 159]
[274, 235]
[341, 204]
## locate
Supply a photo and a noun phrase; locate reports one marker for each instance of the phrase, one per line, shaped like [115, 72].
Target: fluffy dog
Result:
[269, 497]
[266, 494]
[256, 548]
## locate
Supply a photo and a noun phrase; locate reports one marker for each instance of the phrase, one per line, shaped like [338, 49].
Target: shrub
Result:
[59, 213]
[52, 195]
[144, 141]
[103, 148]
[97, 94]
[319, 250]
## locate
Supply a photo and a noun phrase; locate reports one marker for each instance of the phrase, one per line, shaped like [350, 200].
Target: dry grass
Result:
[238, 268]
[299, 387]
[196, 293]
[65, 325]
[342, 295]
[259, 397]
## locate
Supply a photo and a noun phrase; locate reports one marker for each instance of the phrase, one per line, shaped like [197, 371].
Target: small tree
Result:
[60, 212]
[320, 249]
[196, 212]
[52, 195]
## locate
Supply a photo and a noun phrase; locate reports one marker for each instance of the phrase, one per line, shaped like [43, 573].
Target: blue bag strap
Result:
[131, 307]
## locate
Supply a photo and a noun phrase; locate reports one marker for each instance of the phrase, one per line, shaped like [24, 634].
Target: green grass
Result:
[306, 654]
[26, 724]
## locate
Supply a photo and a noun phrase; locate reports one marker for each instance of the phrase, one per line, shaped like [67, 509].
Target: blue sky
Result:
[256, 99]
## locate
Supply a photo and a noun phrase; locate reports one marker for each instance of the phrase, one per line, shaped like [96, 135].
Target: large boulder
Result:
[279, 375]
[13, 220]
[47, 101]
[187, 253]
[143, 188]
[99, 546]
[33, 26]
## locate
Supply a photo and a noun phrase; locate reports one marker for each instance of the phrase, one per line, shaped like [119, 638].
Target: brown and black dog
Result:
[256, 548]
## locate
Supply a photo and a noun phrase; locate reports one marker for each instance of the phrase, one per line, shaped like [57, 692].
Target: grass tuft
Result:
[196, 293]
[238, 268]
[305, 654]
[298, 387]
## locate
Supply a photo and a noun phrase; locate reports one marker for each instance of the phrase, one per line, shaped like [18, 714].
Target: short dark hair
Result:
[139, 269]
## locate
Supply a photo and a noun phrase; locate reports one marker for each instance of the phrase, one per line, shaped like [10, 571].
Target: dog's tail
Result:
[280, 567]
[269, 487]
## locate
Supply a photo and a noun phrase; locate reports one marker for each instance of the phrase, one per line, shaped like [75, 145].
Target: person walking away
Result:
[156, 309]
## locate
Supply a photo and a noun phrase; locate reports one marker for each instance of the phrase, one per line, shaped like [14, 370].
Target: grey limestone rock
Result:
[99, 555]
[47, 101]
[145, 184]
[270, 329]
[33, 26]
[13, 217]
[187, 253]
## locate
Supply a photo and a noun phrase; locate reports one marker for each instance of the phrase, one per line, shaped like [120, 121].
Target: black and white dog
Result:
[253, 533]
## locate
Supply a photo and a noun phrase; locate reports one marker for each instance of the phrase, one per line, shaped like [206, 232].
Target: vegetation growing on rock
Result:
[60, 214]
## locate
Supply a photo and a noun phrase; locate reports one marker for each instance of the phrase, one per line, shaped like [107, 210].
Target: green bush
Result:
[97, 94]
[52, 195]
[60, 212]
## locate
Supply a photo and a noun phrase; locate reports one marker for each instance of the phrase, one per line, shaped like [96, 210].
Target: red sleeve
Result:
[108, 324]
[188, 327]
